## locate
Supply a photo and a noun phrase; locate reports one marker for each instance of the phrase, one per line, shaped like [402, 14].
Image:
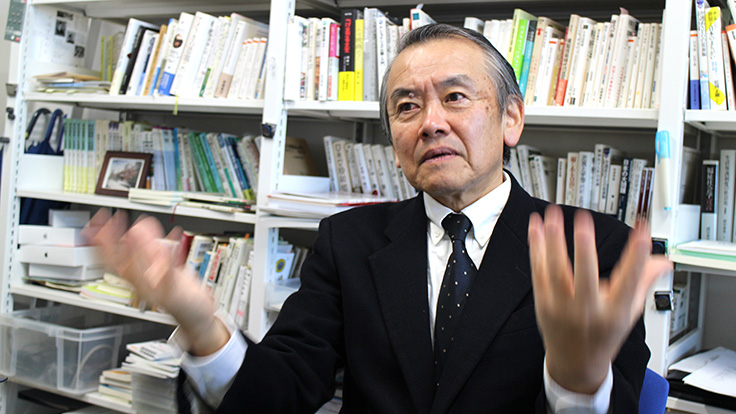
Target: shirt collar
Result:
[483, 213]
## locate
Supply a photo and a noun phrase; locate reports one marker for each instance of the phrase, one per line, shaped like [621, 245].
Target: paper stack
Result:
[154, 366]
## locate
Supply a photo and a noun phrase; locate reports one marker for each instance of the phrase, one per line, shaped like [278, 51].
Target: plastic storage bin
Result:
[65, 347]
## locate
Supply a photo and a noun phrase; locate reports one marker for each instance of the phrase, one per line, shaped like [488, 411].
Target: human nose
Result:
[435, 120]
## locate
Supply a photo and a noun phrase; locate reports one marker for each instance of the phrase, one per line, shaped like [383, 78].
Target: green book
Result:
[520, 25]
[199, 164]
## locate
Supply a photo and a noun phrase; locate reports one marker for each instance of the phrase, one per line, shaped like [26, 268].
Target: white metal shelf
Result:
[152, 103]
[272, 221]
[534, 115]
[712, 120]
[91, 398]
[703, 265]
[74, 299]
[118, 202]
[122, 9]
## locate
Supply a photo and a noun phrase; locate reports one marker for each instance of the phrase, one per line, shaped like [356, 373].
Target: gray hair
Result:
[499, 69]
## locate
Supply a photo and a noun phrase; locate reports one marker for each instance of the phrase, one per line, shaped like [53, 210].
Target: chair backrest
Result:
[654, 392]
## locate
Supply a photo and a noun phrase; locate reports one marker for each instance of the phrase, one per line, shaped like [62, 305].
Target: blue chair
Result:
[654, 392]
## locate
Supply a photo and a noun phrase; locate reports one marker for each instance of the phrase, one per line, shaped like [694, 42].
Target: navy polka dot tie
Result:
[454, 290]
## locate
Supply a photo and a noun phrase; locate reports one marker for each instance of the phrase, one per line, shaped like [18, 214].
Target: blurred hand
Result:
[584, 320]
[159, 274]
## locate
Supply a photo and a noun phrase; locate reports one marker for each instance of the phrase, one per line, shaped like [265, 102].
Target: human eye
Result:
[455, 97]
[405, 107]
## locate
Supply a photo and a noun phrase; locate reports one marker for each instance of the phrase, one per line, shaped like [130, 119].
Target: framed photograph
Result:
[122, 171]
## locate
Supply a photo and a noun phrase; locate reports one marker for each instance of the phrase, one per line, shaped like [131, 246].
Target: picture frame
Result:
[121, 171]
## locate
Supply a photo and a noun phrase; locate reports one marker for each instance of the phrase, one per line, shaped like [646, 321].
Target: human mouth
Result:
[437, 154]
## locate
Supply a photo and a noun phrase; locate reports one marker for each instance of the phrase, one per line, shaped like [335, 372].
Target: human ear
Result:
[513, 122]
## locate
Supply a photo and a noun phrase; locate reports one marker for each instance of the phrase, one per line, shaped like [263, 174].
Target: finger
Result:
[180, 255]
[94, 225]
[586, 260]
[538, 255]
[558, 260]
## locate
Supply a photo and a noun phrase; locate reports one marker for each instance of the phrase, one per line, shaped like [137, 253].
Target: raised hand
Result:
[158, 272]
[584, 320]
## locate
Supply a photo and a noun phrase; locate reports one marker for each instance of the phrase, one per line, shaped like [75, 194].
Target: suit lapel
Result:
[400, 274]
[503, 280]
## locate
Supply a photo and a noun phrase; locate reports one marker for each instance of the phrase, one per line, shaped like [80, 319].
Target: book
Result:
[581, 56]
[703, 64]
[419, 18]
[614, 187]
[176, 48]
[131, 32]
[546, 30]
[625, 28]
[709, 200]
[520, 27]
[635, 186]
[141, 48]
[527, 59]
[560, 185]
[623, 192]
[346, 74]
[716, 71]
[726, 177]
[566, 61]
[194, 49]
[241, 28]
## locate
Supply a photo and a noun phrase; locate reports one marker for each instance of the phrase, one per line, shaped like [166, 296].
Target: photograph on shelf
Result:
[122, 171]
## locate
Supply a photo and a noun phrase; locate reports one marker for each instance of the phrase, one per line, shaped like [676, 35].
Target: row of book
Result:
[197, 55]
[225, 267]
[365, 168]
[602, 180]
[327, 60]
[588, 63]
[613, 64]
[718, 186]
[183, 160]
[712, 51]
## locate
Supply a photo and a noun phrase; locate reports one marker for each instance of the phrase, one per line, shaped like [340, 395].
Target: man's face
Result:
[447, 129]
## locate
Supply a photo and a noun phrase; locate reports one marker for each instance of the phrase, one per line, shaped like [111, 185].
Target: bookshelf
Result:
[275, 111]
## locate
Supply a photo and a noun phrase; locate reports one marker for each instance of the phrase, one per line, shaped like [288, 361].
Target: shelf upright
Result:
[676, 29]
[272, 163]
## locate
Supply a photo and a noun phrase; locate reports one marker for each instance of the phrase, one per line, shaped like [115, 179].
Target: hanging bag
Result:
[32, 210]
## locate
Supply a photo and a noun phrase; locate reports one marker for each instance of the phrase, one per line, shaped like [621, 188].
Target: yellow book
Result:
[359, 27]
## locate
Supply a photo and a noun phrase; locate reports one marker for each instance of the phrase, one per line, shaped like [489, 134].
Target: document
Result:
[713, 371]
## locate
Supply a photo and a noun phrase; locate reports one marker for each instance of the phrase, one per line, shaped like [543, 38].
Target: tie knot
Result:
[456, 226]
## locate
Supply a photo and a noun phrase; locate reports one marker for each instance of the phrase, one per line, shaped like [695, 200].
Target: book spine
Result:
[726, 176]
[635, 174]
[333, 62]
[527, 58]
[709, 200]
[614, 182]
[716, 77]
[727, 73]
[177, 48]
[561, 175]
[623, 189]
[359, 34]
[346, 75]
[703, 63]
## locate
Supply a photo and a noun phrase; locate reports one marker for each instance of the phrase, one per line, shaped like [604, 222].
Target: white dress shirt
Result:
[212, 375]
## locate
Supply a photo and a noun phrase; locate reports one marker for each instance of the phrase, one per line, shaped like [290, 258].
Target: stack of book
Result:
[116, 384]
[208, 201]
[711, 75]
[69, 82]
[328, 60]
[603, 180]
[365, 169]
[196, 55]
[182, 160]
[110, 288]
[613, 64]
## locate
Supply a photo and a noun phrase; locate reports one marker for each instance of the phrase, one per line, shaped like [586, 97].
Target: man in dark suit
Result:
[372, 296]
